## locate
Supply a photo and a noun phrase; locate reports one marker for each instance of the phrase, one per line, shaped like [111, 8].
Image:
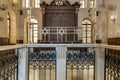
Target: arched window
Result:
[33, 33]
[92, 3]
[37, 4]
[25, 3]
[32, 3]
[83, 3]
[8, 24]
[87, 31]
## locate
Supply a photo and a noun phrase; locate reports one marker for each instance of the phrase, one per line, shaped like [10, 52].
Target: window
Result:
[32, 3]
[87, 29]
[92, 3]
[37, 3]
[83, 3]
[33, 31]
[8, 23]
[26, 3]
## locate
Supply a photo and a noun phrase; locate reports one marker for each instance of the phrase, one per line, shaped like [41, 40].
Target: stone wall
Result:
[3, 24]
[113, 28]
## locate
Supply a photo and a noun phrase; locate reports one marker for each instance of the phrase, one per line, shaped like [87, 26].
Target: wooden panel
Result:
[60, 16]
[52, 19]
[20, 41]
[56, 19]
[68, 19]
[118, 41]
[60, 19]
[114, 41]
[4, 41]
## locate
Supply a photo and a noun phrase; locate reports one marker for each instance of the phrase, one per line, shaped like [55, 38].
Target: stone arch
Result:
[92, 22]
[12, 29]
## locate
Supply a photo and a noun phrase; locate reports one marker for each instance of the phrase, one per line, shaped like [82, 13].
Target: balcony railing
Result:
[8, 65]
[9, 62]
[80, 63]
[57, 35]
[60, 62]
[112, 63]
[112, 60]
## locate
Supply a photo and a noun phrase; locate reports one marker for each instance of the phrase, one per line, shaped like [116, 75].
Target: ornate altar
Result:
[60, 18]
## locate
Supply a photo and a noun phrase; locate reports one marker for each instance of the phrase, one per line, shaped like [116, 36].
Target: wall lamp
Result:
[3, 6]
[113, 18]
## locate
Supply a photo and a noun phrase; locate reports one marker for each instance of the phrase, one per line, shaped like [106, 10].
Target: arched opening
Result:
[30, 30]
[87, 31]
[33, 31]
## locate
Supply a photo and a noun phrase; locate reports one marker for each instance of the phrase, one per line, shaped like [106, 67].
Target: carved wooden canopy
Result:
[60, 14]
[64, 5]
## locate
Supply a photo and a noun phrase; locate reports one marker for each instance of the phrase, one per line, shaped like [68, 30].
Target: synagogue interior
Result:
[59, 40]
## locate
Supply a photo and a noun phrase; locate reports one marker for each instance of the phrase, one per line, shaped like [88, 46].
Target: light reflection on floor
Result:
[77, 74]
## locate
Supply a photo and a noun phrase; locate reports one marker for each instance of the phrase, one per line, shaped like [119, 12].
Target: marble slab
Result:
[9, 47]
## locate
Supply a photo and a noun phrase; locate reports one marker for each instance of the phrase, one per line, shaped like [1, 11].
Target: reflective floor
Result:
[71, 74]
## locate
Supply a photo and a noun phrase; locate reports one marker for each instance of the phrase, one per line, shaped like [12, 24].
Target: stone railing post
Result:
[22, 64]
[61, 63]
[99, 63]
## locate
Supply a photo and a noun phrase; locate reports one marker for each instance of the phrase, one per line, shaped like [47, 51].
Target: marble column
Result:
[61, 63]
[99, 64]
[22, 61]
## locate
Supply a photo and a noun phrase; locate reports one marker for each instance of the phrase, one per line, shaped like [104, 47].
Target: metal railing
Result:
[81, 64]
[41, 63]
[8, 65]
[58, 35]
[112, 64]
[61, 62]
[10, 62]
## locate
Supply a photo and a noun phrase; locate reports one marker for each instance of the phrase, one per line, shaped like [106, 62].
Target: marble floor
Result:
[70, 75]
